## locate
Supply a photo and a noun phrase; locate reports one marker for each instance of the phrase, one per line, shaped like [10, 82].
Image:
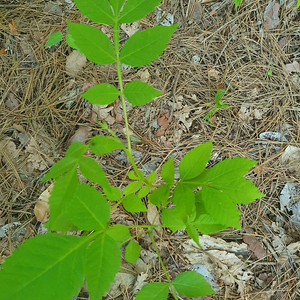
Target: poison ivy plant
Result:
[55, 265]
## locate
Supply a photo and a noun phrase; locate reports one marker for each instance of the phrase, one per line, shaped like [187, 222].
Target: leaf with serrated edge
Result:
[93, 43]
[192, 284]
[145, 46]
[132, 187]
[98, 11]
[102, 94]
[135, 10]
[132, 251]
[139, 93]
[102, 145]
[88, 209]
[46, 267]
[93, 172]
[221, 207]
[194, 162]
[133, 203]
[207, 225]
[227, 177]
[73, 154]
[103, 260]
[60, 196]
[153, 291]
[168, 171]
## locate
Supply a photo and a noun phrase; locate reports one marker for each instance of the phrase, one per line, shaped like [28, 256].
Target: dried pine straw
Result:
[233, 50]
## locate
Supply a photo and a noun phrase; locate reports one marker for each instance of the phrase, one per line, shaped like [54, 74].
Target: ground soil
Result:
[216, 46]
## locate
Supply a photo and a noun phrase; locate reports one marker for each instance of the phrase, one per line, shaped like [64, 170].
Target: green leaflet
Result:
[192, 284]
[98, 11]
[143, 192]
[132, 251]
[118, 232]
[221, 207]
[145, 46]
[153, 291]
[193, 233]
[184, 199]
[103, 260]
[93, 172]
[132, 203]
[54, 38]
[152, 177]
[88, 209]
[168, 171]
[103, 93]
[227, 177]
[60, 197]
[172, 218]
[194, 162]
[207, 224]
[93, 43]
[73, 154]
[135, 10]
[102, 145]
[45, 267]
[116, 5]
[160, 195]
[139, 93]
[132, 187]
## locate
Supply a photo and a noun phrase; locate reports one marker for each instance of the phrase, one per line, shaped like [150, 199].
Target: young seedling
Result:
[218, 105]
[55, 265]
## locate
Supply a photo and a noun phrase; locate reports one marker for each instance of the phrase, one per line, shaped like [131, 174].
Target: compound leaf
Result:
[88, 209]
[132, 203]
[168, 171]
[135, 10]
[132, 251]
[45, 267]
[139, 93]
[145, 46]
[103, 94]
[54, 38]
[98, 11]
[92, 42]
[103, 260]
[102, 145]
[93, 172]
[194, 162]
[192, 284]
[60, 197]
[73, 154]
[153, 291]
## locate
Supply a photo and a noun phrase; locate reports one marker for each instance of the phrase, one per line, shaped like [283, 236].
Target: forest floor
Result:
[253, 50]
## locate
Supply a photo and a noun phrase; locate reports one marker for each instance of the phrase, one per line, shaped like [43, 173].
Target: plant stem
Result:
[117, 48]
[162, 264]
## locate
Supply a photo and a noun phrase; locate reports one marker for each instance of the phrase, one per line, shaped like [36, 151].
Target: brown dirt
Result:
[233, 49]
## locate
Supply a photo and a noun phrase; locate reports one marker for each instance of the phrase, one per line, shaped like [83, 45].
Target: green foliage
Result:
[54, 266]
[237, 2]
[192, 284]
[54, 38]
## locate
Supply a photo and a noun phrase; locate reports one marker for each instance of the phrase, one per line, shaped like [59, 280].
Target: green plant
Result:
[218, 105]
[55, 265]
